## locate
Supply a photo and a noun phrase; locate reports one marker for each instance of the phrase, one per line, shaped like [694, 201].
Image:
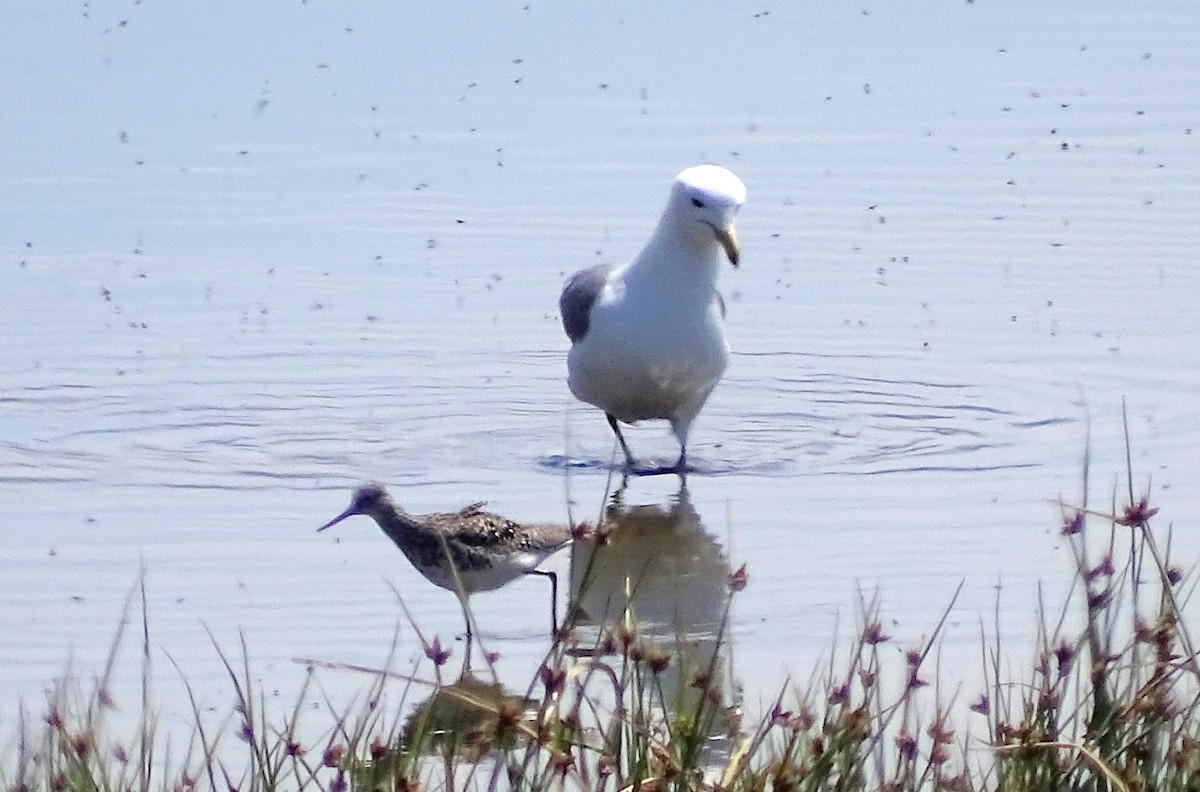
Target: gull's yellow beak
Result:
[727, 236]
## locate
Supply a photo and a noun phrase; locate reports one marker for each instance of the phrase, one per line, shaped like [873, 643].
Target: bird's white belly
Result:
[639, 365]
[503, 569]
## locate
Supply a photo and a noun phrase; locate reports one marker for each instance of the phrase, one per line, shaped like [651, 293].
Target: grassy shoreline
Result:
[1110, 700]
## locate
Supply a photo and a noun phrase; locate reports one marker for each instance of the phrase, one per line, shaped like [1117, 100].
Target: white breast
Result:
[649, 353]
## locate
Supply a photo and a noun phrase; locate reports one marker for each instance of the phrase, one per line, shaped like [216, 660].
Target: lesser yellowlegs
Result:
[647, 339]
[465, 551]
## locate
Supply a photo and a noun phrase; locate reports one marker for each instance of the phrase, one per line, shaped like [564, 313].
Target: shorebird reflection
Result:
[471, 718]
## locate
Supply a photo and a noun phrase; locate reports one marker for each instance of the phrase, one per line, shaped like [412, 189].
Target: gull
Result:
[464, 551]
[647, 339]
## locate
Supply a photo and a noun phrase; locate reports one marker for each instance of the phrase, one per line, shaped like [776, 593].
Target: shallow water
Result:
[237, 279]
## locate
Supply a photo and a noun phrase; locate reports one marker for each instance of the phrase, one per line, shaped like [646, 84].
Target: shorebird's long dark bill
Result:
[348, 513]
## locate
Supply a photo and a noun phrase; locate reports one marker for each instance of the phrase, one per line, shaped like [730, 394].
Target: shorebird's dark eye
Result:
[696, 202]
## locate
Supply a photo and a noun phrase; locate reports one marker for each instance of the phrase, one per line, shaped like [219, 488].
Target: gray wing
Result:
[577, 299]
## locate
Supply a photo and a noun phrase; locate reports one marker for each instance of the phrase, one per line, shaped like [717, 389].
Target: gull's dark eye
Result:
[696, 202]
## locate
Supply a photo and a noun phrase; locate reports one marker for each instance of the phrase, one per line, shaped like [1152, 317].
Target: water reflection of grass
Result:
[626, 701]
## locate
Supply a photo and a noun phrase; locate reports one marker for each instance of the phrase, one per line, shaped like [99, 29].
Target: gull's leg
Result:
[679, 468]
[612, 421]
[680, 429]
[681, 463]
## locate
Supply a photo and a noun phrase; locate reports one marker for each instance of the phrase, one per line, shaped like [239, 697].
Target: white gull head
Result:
[701, 210]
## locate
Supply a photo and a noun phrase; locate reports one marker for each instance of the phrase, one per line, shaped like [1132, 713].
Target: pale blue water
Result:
[251, 255]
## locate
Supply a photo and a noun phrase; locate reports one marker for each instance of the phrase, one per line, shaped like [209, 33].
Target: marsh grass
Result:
[1110, 700]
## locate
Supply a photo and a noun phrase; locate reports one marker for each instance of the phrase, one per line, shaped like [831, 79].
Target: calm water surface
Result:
[251, 256]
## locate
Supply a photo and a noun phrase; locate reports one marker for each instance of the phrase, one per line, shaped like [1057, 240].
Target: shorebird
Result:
[465, 551]
[647, 339]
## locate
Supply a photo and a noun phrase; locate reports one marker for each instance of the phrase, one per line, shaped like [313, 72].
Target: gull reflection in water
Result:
[651, 577]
